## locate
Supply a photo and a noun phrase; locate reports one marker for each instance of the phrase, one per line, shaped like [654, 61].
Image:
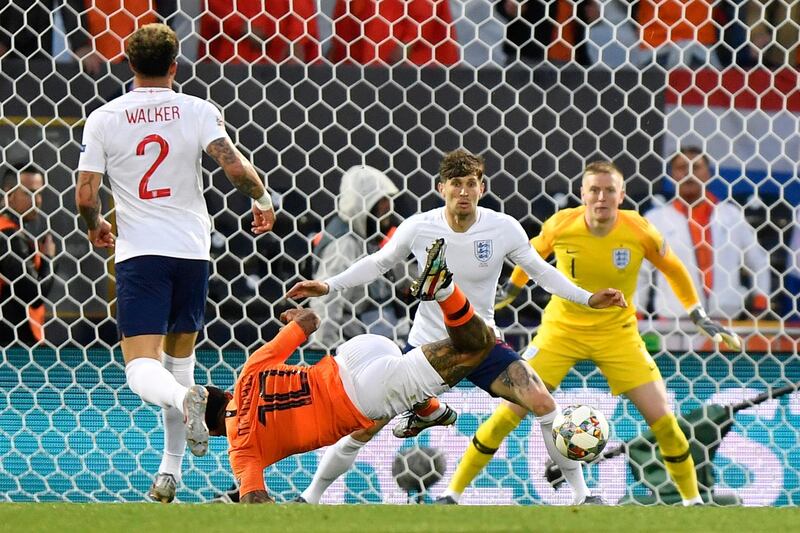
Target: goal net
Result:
[71, 430]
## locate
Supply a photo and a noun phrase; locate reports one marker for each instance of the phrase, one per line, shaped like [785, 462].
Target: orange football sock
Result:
[428, 407]
[456, 308]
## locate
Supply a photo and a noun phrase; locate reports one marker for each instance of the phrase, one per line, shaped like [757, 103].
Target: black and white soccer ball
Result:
[417, 468]
[581, 432]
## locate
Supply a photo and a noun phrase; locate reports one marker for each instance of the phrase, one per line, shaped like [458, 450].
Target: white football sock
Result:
[572, 470]
[445, 292]
[174, 428]
[337, 460]
[154, 384]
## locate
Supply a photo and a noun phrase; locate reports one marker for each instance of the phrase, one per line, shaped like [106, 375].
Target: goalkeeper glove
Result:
[714, 330]
[505, 295]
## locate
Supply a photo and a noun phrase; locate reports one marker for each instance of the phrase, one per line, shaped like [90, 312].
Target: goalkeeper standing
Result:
[599, 245]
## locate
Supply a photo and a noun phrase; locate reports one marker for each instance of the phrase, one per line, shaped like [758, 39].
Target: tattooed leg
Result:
[473, 336]
[457, 356]
[520, 384]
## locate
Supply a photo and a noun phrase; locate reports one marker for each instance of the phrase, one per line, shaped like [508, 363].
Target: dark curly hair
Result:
[459, 164]
[152, 49]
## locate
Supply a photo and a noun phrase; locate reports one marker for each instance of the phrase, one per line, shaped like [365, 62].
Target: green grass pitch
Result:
[154, 518]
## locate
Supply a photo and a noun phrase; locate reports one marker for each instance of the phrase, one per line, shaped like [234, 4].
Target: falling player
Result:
[278, 410]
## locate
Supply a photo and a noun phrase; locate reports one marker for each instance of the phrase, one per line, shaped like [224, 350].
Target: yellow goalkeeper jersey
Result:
[596, 263]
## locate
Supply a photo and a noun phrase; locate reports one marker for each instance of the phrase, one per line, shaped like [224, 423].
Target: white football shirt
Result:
[150, 142]
[475, 257]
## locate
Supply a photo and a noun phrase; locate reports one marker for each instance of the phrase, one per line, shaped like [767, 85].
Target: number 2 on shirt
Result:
[163, 145]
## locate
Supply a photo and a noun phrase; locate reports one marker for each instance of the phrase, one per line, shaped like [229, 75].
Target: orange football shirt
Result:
[279, 410]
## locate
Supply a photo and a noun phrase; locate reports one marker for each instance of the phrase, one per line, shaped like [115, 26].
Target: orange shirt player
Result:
[278, 410]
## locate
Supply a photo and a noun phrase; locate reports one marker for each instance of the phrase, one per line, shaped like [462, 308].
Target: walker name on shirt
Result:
[153, 114]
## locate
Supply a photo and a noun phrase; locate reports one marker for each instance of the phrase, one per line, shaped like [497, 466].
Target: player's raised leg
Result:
[430, 412]
[465, 335]
[452, 358]
[469, 338]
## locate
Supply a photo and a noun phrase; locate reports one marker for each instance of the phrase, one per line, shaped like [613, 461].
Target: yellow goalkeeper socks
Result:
[482, 448]
[677, 459]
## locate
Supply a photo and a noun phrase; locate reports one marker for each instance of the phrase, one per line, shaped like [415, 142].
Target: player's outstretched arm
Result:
[87, 198]
[554, 282]
[300, 323]
[363, 271]
[308, 289]
[243, 176]
[682, 285]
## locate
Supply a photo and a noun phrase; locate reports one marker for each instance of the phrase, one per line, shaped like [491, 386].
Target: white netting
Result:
[70, 428]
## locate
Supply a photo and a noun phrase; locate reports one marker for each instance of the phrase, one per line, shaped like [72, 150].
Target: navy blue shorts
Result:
[501, 356]
[157, 295]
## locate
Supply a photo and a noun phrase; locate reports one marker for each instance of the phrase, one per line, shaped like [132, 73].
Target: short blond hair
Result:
[603, 167]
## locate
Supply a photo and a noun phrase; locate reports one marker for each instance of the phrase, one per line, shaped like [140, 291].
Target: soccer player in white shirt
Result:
[478, 241]
[150, 142]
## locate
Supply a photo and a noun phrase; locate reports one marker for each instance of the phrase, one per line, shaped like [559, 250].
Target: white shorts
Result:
[381, 381]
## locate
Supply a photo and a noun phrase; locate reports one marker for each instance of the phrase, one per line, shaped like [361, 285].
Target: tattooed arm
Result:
[238, 169]
[87, 198]
[243, 176]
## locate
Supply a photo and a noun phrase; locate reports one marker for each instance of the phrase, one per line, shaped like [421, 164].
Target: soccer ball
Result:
[418, 468]
[581, 432]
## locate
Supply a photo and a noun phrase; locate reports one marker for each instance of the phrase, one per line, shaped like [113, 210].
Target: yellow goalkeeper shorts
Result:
[620, 355]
